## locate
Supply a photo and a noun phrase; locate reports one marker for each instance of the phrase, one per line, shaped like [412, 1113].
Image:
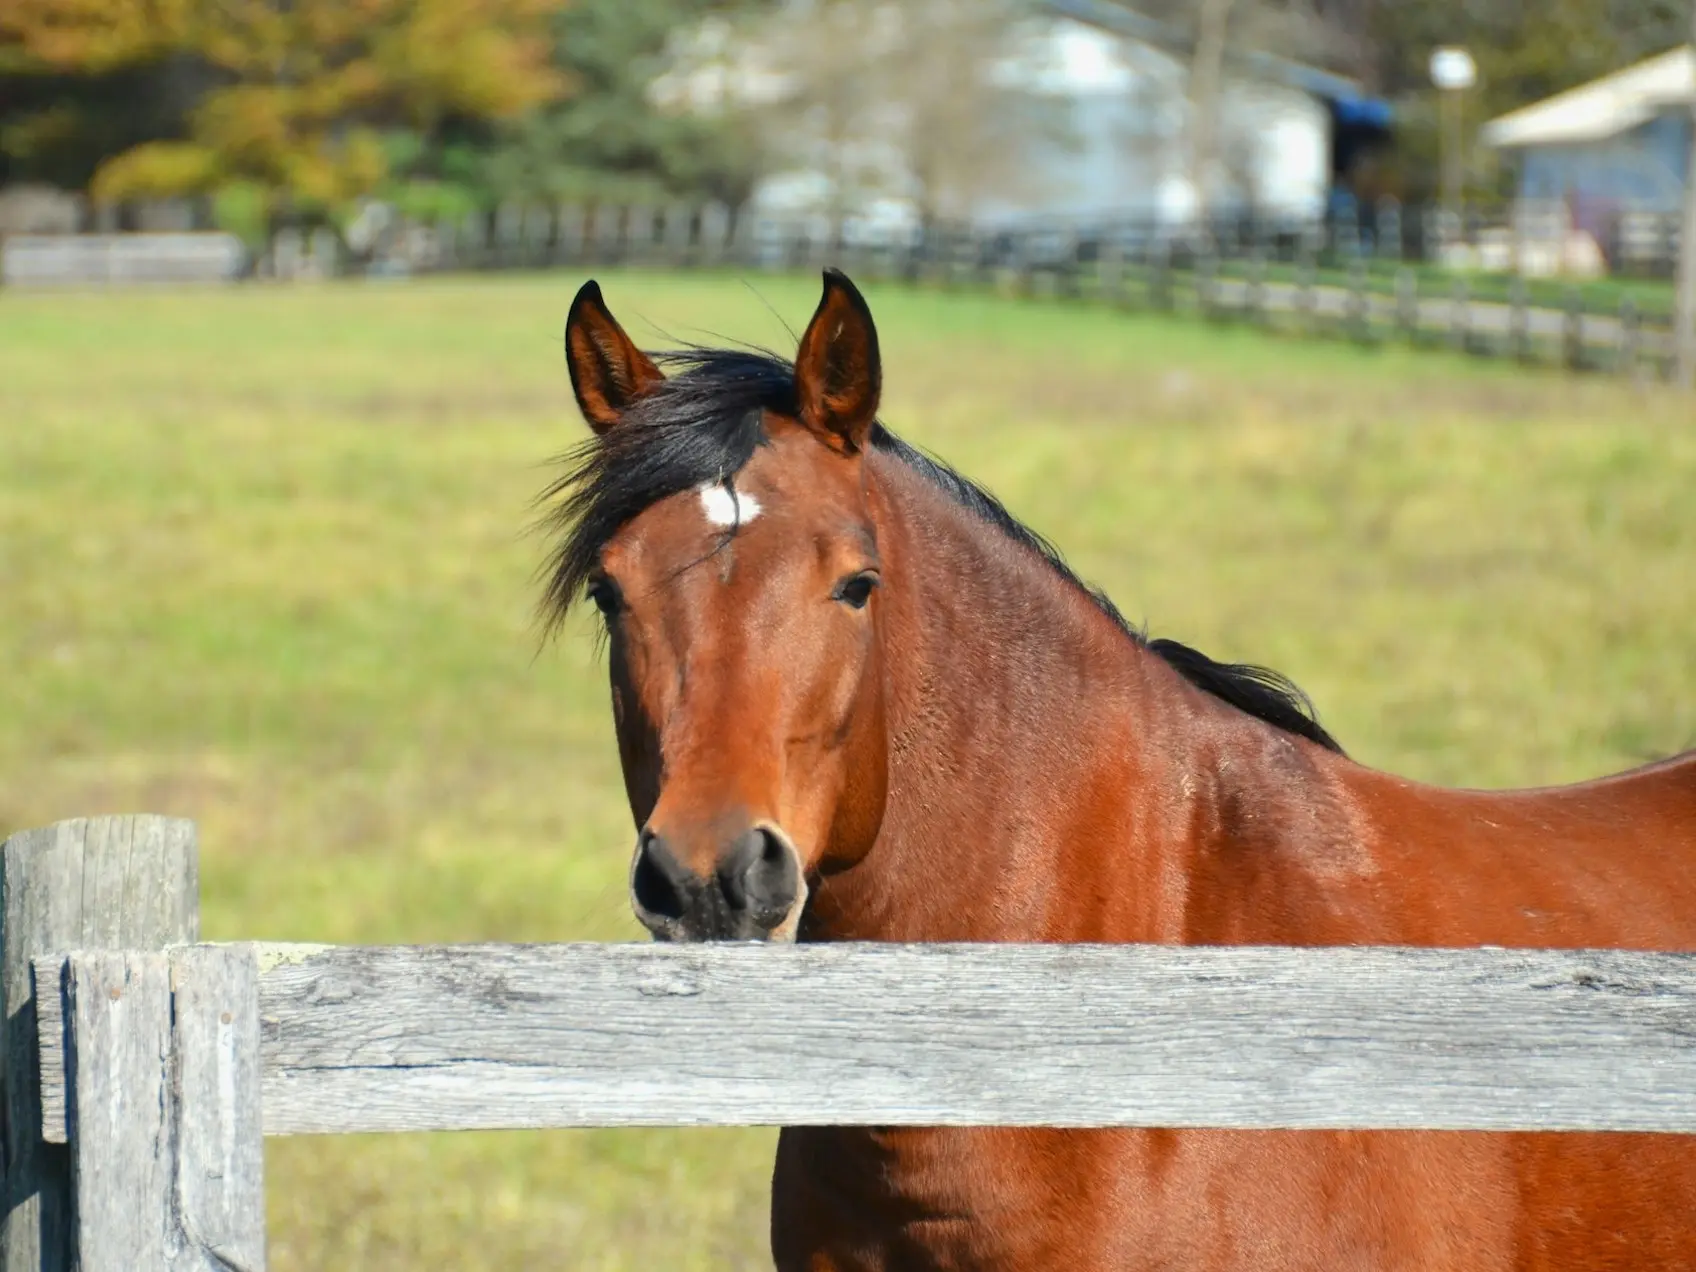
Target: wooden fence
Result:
[142, 1069]
[1308, 278]
[106, 260]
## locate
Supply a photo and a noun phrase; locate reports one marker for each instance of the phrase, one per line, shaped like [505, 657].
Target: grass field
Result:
[264, 563]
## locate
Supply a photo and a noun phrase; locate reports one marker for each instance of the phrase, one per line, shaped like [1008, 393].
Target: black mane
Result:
[703, 424]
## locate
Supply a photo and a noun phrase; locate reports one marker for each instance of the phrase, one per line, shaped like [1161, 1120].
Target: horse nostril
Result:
[761, 877]
[659, 884]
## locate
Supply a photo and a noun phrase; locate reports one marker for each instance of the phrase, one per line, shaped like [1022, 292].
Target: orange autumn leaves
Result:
[300, 90]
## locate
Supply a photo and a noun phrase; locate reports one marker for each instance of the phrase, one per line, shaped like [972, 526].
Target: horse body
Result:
[862, 713]
[1160, 815]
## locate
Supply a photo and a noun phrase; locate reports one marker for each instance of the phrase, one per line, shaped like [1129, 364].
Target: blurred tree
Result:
[1526, 50]
[1214, 33]
[965, 128]
[611, 140]
[288, 96]
[907, 97]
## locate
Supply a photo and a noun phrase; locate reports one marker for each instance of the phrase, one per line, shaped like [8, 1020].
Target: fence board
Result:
[121, 1005]
[437, 1038]
[220, 1146]
[101, 882]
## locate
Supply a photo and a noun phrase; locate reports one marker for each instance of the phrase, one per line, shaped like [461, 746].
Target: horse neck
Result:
[1019, 716]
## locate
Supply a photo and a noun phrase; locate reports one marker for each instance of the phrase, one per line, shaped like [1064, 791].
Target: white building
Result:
[1120, 83]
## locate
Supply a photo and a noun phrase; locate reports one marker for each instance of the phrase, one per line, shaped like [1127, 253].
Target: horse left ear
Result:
[608, 371]
[838, 373]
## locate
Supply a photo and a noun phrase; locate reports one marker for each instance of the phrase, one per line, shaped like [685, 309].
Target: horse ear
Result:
[608, 371]
[838, 373]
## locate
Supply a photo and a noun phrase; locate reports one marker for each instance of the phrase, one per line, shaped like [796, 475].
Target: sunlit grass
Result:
[264, 563]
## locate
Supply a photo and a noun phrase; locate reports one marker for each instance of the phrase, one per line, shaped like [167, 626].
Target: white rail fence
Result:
[104, 260]
[142, 1069]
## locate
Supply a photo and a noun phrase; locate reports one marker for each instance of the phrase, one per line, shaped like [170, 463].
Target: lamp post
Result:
[1453, 72]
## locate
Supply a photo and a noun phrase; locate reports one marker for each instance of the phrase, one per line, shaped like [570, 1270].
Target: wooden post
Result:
[509, 236]
[473, 235]
[1160, 274]
[1112, 267]
[1572, 330]
[715, 234]
[1389, 230]
[1460, 316]
[1519, 319]
[103, 883]
[1307, 297]
[1255, 295]
[742, 242]
[1407, 303]
[1068, 266]
[1359, 303]
[1207, 282]
[1023, 280]
[1630, 337]
[569, 224]
[164, 1108]
[985, 269]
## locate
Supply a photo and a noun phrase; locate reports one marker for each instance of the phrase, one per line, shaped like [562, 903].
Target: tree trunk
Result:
[1206, 74]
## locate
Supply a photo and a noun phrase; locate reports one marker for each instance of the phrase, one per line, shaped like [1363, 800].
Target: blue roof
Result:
[1366, 112]
[1350, 104]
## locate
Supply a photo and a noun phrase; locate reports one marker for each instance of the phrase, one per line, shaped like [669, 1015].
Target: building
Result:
[1288, 134]
[1618, 145]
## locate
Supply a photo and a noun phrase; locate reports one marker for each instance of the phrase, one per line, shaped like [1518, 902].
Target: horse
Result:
[856, 700]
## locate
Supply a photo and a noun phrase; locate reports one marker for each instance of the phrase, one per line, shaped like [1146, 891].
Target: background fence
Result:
[1390, 276]
[142, 1069]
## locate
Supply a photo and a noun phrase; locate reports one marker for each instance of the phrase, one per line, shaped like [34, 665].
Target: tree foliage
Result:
[611, 139]
[1526, 50]
[292, 95]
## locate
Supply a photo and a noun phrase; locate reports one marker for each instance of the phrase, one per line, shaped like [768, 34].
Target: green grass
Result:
[263, 562]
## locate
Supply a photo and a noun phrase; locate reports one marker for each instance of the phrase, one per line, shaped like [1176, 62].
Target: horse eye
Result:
[856, 590]
[604, 593]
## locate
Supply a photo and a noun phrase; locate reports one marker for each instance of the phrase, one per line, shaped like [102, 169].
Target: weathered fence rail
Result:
[61, 260]
[142, 1069]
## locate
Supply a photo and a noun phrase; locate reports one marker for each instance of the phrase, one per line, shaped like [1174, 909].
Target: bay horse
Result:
[855, 699]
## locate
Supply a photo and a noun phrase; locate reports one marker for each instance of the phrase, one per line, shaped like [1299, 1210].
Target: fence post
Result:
[1307, 298]
[1572, 330]
[1207, 282]
[1630, 336]
[1389, 230]
[1407, 303]
[1460, 316]
[1160, 274]
[1068, 266]
[1254, 296]
[1519, 318]
[1359, 302]
[101, 883]
[715, 231]
[163, 1108]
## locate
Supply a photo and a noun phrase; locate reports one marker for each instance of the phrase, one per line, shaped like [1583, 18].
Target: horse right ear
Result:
[838, 371]
[608, 371]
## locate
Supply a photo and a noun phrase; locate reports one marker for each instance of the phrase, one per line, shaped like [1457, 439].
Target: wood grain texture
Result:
[220, 1151]
[105, 882]
[120, 1014]
[164, 1111]
[51, 991]
[439, 1038]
